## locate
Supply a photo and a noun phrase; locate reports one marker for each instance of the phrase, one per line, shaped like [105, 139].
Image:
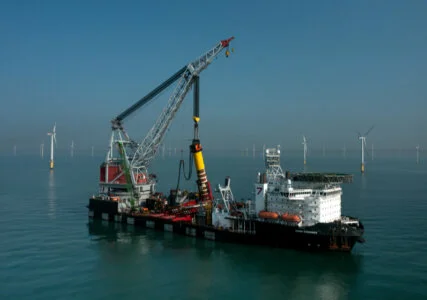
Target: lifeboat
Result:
[268, 215]
[140, 178]
[291, 218]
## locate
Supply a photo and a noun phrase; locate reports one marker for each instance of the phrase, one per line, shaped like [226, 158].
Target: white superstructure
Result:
[307, 202]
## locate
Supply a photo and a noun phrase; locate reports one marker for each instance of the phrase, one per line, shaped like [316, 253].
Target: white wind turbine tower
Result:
[305, 149]
[42, 150]
[418, 153]
[363, 143]
[52, 140]
[72, 149]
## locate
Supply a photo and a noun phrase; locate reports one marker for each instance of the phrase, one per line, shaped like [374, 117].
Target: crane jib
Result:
[147, 149]
[151, 95]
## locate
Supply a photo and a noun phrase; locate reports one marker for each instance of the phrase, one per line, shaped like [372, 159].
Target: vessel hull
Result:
[320, 237]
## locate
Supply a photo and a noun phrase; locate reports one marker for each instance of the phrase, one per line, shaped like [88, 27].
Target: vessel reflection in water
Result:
[193, 267]
[51, 195]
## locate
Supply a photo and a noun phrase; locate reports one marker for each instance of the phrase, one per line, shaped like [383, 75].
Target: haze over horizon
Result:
[325, 70]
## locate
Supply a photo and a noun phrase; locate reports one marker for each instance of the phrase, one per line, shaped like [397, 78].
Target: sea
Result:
[49, 249]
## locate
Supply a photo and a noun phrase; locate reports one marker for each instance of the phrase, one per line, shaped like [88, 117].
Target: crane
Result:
[124, 172]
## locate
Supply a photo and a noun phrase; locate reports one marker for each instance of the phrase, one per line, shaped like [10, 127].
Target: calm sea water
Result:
[50, 250]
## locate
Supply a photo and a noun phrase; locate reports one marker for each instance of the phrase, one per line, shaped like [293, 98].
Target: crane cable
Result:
[182, 166]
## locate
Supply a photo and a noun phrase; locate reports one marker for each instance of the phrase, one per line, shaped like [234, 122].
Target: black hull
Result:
[320, 237]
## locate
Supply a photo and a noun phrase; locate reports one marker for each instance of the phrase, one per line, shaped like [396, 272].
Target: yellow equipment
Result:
[196, 149]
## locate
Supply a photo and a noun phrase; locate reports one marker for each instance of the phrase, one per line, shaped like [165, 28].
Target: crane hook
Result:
[227, 52]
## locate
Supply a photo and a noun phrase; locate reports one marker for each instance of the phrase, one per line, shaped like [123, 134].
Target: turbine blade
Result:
[369, 130]
[365, 147]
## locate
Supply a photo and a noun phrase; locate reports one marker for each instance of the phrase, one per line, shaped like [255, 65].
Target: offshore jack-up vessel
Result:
[300, 210]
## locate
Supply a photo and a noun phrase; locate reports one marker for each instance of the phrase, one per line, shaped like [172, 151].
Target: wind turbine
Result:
[42, 150]
[52, 140]
[363, 143]
[418, 153]
[305, 149]
[72, 149]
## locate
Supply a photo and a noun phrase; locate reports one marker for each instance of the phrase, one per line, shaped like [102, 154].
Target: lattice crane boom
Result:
[117, 122]
[147, 149]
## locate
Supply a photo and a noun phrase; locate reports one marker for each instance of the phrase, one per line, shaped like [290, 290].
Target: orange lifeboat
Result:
[140, 178]
[291, 218]
[268, 215]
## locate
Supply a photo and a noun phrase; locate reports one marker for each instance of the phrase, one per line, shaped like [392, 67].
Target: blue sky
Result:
[326, 69]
